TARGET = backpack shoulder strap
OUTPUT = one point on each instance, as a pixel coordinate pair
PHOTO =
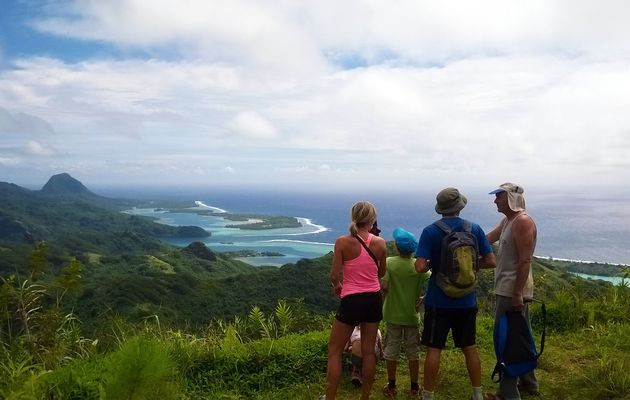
(467, 226)
(444, 227)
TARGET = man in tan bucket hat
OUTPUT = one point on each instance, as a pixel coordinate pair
(513, 280)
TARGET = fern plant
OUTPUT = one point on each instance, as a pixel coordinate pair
(285, 316)
(259, 322)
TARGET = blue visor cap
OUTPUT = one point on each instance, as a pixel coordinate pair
(405, 240)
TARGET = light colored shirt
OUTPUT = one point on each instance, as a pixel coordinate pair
(507, 265)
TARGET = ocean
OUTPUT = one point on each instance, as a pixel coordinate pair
(585, 226)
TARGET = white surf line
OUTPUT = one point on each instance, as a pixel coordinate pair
(309, 222)
(295, 241)
(214, 209)
(551, 258)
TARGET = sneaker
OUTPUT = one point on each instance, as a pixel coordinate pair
(414, 393)
(322, 397)
(389, 391)
(356, 378)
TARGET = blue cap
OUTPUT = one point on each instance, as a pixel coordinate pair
(406, 241)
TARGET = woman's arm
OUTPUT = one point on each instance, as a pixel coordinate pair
(337, 265)
(381, 255)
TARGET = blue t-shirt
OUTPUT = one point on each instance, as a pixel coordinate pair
(429, 247)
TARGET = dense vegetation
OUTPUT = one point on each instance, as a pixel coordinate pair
(102, 309)
(279, 354)
(128, 271)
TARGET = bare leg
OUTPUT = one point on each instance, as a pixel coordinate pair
(339, 336)
(473, 364)
(391, 369)
(431, 368)
(368, 341)
(414, 366)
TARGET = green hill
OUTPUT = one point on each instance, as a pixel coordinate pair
(63, 185)
(129, 271)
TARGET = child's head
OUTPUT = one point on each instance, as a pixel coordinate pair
(406, 242)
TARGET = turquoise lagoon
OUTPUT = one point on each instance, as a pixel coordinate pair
(293, 243)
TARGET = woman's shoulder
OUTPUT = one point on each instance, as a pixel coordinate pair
(378, 239)
(344, 239)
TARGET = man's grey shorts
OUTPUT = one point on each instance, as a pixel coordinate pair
(394, 338)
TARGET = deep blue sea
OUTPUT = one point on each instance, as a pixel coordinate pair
(578, 225)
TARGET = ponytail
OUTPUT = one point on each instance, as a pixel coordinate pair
(353, 228)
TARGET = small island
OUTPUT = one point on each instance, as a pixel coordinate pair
(191, 232)
(249, 221)
(260, 222)
(252, 253)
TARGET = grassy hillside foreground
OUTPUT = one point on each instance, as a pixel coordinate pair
(282, 355)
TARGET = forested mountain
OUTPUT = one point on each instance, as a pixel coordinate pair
(65, 209)
(128, 270)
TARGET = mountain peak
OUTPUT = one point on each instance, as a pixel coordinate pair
(64, 184)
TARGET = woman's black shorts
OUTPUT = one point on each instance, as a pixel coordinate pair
(360, 307)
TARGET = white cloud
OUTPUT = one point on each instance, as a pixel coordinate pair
(37, 149)
(20, 124)
(434, 90)
(252, 125)
(293, 35)
(236, 32)
(10, 161)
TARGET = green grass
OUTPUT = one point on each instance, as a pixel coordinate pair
(271, 352)
(582, 364)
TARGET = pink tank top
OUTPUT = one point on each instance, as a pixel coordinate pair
(360, 275)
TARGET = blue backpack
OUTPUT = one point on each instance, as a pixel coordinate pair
(514, 345)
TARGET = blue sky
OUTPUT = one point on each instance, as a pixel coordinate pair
(322, 94)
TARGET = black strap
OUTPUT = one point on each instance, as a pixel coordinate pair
(365, 246)
(544, 332)
(498, 372)
(444, 227)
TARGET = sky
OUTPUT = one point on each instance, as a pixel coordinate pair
(317, 93)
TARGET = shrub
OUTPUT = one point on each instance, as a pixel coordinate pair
(262, 365)
(141, 369)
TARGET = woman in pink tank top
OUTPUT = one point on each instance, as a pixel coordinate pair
(361, 302)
